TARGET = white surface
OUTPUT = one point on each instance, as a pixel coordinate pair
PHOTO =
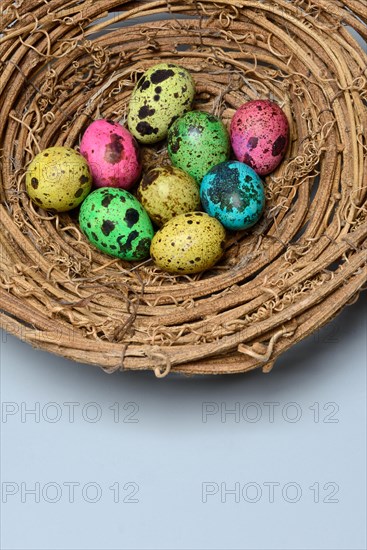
(170, 454)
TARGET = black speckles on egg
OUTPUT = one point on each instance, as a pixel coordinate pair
(114, 151)
(143, 247)
(147, 180)
(79, 192)
(160, 75)
(224, 186)
(145, 129)
(131, 217)
(107, 199)
(252, 142)
(247, 159)
(107, 227)
(94, 235)
(145, 111)
(174, 144)
(143, 83)
(84, 179)
(125, 243)
(278, 146)
(34, 183)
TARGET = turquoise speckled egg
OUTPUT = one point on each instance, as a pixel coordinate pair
(197, 142)
(116, 223)
(233, 193)
(164, 93)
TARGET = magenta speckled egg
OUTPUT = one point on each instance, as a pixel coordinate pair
(259, 135)
(112, 154)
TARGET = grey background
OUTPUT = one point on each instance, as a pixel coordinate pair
(171, 451)
(165, 453)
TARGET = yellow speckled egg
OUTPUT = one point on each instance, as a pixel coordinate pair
(58, 179)
(164, 93)
(166, 192)
(188, 243)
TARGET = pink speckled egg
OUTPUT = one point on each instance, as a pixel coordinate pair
(259, 135)
(112, 154)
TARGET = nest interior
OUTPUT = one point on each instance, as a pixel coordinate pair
(65, 63)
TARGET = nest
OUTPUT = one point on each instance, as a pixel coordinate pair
(65, 63)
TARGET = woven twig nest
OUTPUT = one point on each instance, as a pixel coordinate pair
(65, 63)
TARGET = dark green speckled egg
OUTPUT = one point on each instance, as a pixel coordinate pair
(116, 223)
(196, 142)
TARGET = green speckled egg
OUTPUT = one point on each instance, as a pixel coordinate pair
(116, 223)
(164, 93)
(188, 243)
(167, 192)
(196, 142)
(58, 179)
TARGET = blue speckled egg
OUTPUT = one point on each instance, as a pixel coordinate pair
(233, 193)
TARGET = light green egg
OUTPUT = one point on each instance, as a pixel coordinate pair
(188, 243)
(164, 93)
